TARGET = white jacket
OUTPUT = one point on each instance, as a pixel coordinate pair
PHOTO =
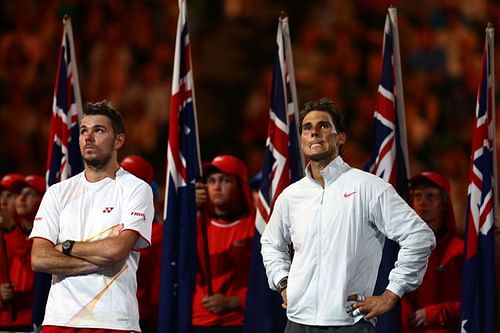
(338, 236)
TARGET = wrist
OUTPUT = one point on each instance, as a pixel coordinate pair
(282, 284)
(67, 247)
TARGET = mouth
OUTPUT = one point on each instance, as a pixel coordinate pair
(314, 145)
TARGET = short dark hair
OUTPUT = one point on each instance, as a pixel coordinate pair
(104, 108)
(327, 106)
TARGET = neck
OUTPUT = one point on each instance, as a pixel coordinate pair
(227, 214)
(94, 174)
(26, 224)
(317, 166)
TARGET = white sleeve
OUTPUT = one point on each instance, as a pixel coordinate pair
(399, 222)
(138, 214)
(46, 223)
(275, 241)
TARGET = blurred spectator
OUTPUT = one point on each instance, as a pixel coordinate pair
(16, 294)
(435, 305)
(148, 273)
(227, 205)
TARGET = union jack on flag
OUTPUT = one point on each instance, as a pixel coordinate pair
(389, 159)
(478, 284)
(63, 158)
(179, 263)
(283, 165)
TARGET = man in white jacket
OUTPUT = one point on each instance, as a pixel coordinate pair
(337, 217)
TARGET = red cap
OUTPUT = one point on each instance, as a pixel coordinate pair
(433, 177)
(226, 164)
(35, 181)
(10, 181)
(139, 167)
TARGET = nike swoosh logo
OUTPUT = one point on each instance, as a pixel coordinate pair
(347, 195)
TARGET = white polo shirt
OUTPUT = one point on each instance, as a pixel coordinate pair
(79, 210)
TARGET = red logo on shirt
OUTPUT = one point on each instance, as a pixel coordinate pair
(138, 214)
(107, 209)
(347, 195)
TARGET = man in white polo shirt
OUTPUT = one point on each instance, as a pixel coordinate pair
(88, 231)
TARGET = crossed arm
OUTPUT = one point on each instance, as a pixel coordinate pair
(86, 257)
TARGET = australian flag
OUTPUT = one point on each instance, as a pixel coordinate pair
(478, 282)
(389, 158)
(179, 263)
(63, 159)
(283, 165)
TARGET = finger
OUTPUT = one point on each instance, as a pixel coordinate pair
(356, 312)
(360, 298)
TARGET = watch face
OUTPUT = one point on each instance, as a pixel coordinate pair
(65, 245)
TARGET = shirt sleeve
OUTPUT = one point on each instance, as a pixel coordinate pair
(275, 243)
(46, 223)
(399, 222)
(139, 213)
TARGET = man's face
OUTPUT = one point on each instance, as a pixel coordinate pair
(27, 202)
(8, 202)
(320, 140)
(224, 192)
(429, 205)
(98, 141)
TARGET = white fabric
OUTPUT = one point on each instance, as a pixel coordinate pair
(79, 210)
(338, 236)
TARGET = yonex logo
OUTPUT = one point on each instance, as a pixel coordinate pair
(107, 209)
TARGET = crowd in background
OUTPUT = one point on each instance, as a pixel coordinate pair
(125, 51)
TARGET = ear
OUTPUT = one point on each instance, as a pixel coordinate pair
(119, 141)
(341, 138)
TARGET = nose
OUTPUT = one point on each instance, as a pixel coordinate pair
(315, 130)
(88, 136)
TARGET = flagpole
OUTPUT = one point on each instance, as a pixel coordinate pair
(6, 275)
(291, 73)
(490, 38)
(74, 67)
(398, 76)
(206, 253)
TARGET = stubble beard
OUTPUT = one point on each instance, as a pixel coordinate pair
(96, 163)
(326, 156)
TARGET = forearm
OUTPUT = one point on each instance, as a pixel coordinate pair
(49, 260)
(105, 252)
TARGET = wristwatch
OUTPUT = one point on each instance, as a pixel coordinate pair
(67, 246)
(282, 284)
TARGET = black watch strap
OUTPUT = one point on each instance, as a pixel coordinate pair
(67, 246)
(282, 284)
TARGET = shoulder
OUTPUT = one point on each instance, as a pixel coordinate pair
(66, 183)
(127, 179)
(132, 184)
(362, 178)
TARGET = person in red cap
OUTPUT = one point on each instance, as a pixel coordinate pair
(148, 273)
(16, 287)
(31, 190)
(228, 215)
(435, 305)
